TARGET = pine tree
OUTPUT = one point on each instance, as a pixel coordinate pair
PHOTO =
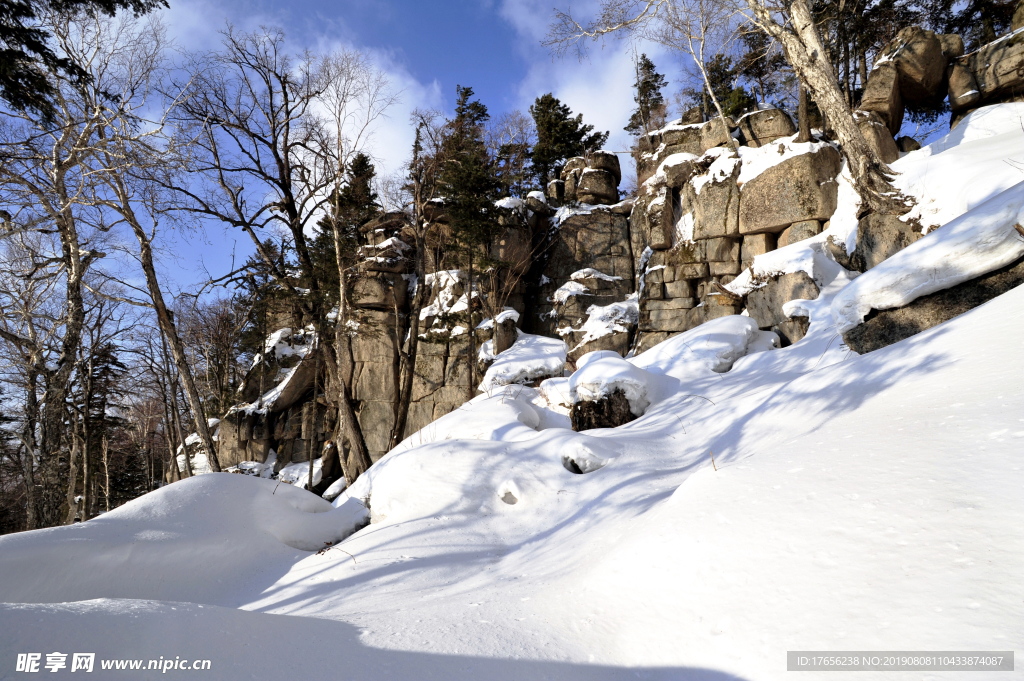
(560, 136)
(722, 76)
(650, 102)
(470, 187)
(760, 63)
(355, 205)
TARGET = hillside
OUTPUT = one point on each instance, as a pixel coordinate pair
(854, 502)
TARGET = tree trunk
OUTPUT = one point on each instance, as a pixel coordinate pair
(803, 116)
(471, 388)
(28, 441)
(347, 429)
(409, 361)
(809, 59)
(106, 473)
(170, 334)
(72, 480)
(52, 460)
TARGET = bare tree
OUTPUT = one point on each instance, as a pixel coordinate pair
(792, 24)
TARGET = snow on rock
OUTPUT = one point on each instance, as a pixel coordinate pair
(809, 255)
(660, 176)
(978, 242)
(711, 347)
(756, 160)
(567, 290)
(597, 378)
(722, 167)
(591, 273)
(505, 314)
(604, 320)
(297, 473)
(529, 358)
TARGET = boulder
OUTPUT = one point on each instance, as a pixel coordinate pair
(714, 134)
(609, 412)
(716, 207)
(877, 135)
(597, 187)
(919, 58)
(755, 245)
(880, 236)
(538, 206)
(800, 188)
(684, 138)
(998, 68)
(882, 95)
(885, 327)
(378, 291)
(723, 249)
(765, 304)
(963, 88)
(1017, 22)
(766, 126)
(952, 45)
(659, 220)
(618, 342)
(574, 163)
(571, 180)
(678, 174)
(907, 144)
(605, 160)
(556, 190)
(799, 231)
(692, 115)
(682, 288)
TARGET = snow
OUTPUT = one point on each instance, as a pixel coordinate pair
(506, 314)
(567, 290)
(538, 195)
(591, 273)
(604, 320)
(297, 473)
(766, 500)
(757, 160)
(859, 502)
(597, 378)
(529, 358)
(980, 158)
(721, 168)
(976, 243)
(660, 176)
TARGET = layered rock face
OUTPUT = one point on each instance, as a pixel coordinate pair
(700, 220)
(605, 274)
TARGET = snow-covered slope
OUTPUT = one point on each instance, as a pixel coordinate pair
(765, 500)
(858, 503)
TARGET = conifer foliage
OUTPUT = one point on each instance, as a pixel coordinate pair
(560, 136)
(650, 102)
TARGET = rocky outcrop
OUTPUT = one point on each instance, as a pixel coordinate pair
(765, 126)
(807, 183)
(765, 305)
(880, 236)
(885, 327)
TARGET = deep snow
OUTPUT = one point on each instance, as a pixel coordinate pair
(766, 500)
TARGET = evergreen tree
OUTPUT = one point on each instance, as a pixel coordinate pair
(650, 102)
(761, 64)
(355, 205)
(980, 21)
(722, 77)
(470, 187)
(560, 136)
